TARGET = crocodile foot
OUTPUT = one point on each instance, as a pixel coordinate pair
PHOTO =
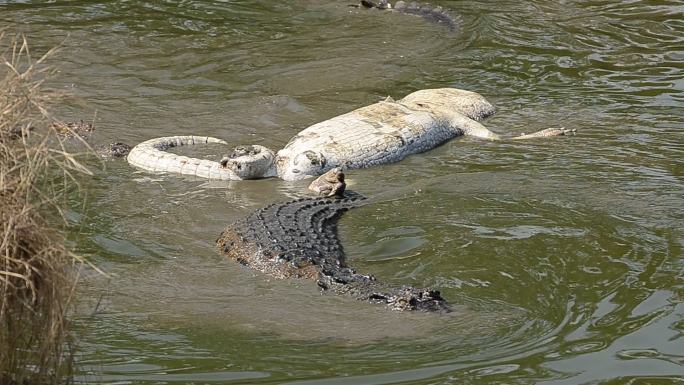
(553, 131)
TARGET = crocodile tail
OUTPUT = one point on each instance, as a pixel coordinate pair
(434, 14)
(151, 155)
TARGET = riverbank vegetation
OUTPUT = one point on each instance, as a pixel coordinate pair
(38, 273)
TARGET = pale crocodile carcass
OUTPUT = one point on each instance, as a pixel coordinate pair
(380, 133)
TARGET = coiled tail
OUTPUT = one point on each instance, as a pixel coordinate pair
(152, 155)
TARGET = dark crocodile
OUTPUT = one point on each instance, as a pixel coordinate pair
(83, 130)
(71, 129)
(298, 239)
(426, 11)
(113, 150)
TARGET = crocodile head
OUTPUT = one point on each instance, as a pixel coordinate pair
(409, 298)
(293, 165)
(329, 184)
(113, 150)
(250, 162)
(384, 4)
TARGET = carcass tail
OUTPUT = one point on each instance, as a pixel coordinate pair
(151, 155)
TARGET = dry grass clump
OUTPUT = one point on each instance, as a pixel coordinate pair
(37, 272)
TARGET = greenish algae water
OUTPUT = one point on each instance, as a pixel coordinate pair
(563, 257)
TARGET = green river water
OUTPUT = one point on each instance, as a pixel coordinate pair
(562, 256)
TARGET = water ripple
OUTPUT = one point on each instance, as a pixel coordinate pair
(561, 257)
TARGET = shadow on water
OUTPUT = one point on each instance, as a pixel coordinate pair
(562, 257)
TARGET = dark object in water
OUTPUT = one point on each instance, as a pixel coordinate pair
(114, 150)
(73, 128)
(426, 11)
(298, 239)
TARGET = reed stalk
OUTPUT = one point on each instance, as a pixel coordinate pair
(38, 272)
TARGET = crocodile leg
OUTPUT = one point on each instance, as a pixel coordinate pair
(553, 131)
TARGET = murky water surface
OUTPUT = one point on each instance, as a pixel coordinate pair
(563, 257)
